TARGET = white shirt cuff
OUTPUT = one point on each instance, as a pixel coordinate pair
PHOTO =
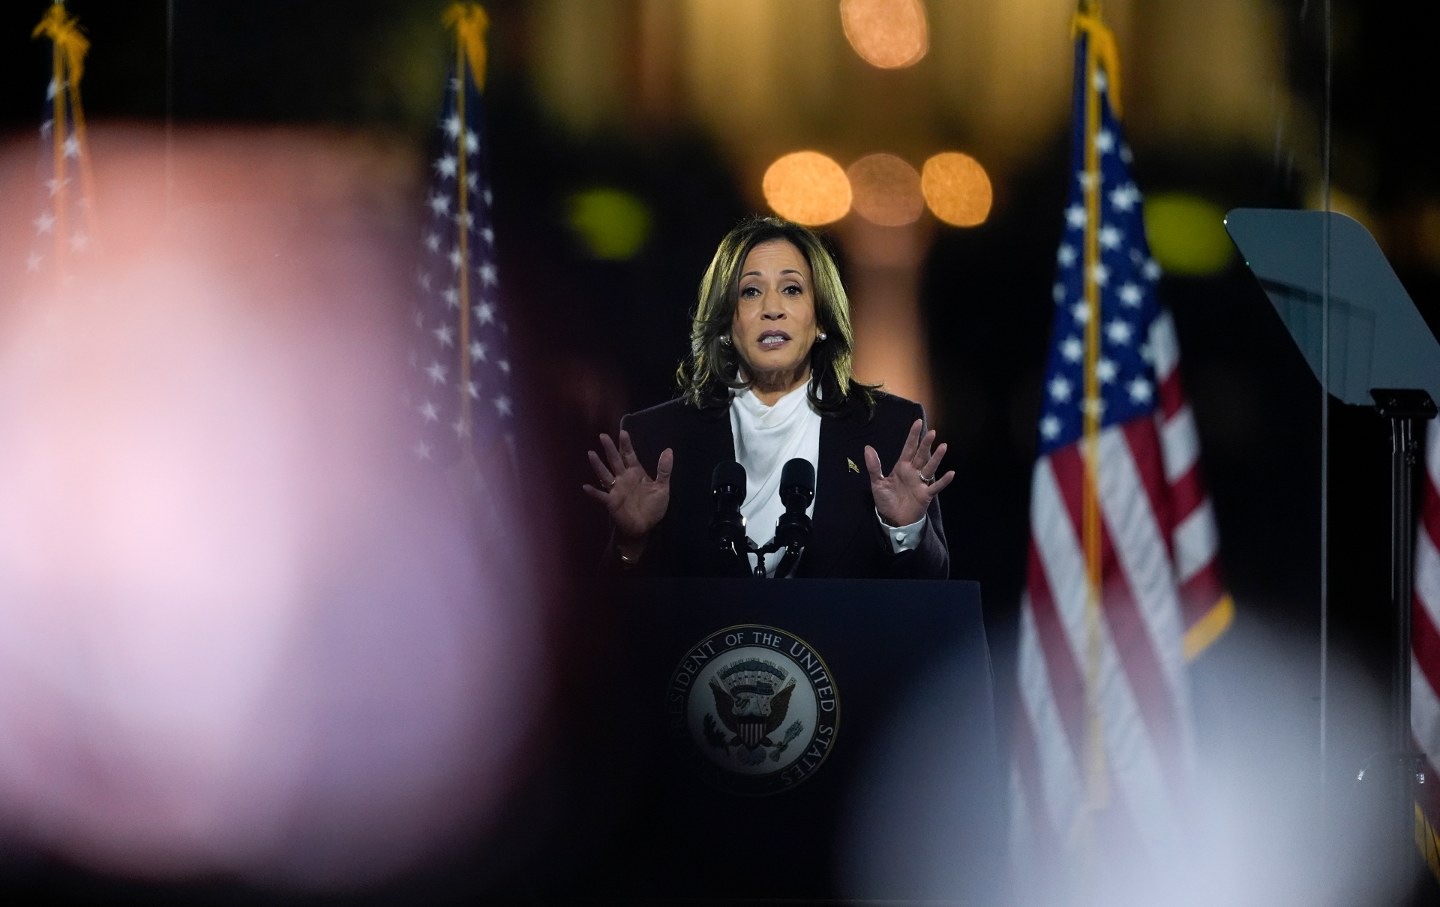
(903, 538)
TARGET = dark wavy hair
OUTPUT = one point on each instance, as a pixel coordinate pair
(712, 369)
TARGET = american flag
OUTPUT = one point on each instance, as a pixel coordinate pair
(1123, 586)
(1425, 654)
(463, 403)
(64, 231)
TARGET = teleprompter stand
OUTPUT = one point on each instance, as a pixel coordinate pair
(1368, 345)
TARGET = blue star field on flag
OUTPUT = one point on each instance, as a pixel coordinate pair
(1126, 277)
(463, 402)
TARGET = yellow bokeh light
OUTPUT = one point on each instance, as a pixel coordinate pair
(807, 187)
(1187, 234)
(611, 223)
(957, 189)
(890, 34)
(887, 190)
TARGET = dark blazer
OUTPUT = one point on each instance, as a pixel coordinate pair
(847, 540)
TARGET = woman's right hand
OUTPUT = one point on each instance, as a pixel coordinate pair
(635, 501)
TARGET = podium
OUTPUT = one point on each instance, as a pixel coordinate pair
(1367, 345)
(804, 741)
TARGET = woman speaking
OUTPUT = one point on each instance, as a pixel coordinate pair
(768, 384)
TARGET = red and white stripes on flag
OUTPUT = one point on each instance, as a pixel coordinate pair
(1425, 653)
(1123, 584)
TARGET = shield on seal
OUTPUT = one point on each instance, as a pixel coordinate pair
(752, 698)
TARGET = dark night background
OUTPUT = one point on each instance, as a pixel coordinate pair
(585, 323)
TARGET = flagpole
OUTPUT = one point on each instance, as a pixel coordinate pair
(67, 59)
(469, 21)
(463, 192)
(57, 136)
(1097, 792)
(77, 116)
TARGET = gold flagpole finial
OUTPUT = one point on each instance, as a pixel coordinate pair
(1102, 46)
(470, 21)
(64, 30)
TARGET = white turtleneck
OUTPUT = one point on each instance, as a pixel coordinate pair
(768, 437)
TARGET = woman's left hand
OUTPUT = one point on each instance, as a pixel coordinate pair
(903, 496)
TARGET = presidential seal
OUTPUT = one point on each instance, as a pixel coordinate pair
(753, 708)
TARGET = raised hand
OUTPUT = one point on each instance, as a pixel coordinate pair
(635, 501)
(903, 496)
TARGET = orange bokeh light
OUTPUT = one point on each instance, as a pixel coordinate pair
(890, 34)
(807, 187)
(887, 190)
(957, 189)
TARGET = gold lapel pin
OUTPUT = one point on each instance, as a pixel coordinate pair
(851, 463)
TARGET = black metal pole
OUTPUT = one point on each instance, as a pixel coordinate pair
(1405, 409)
(1402, 573)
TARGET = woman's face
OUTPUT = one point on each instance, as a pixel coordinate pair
(774, 324)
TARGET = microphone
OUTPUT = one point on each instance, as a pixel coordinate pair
(797, 490)
(727, 526)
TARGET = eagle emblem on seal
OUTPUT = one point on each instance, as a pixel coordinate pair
(751, 697)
